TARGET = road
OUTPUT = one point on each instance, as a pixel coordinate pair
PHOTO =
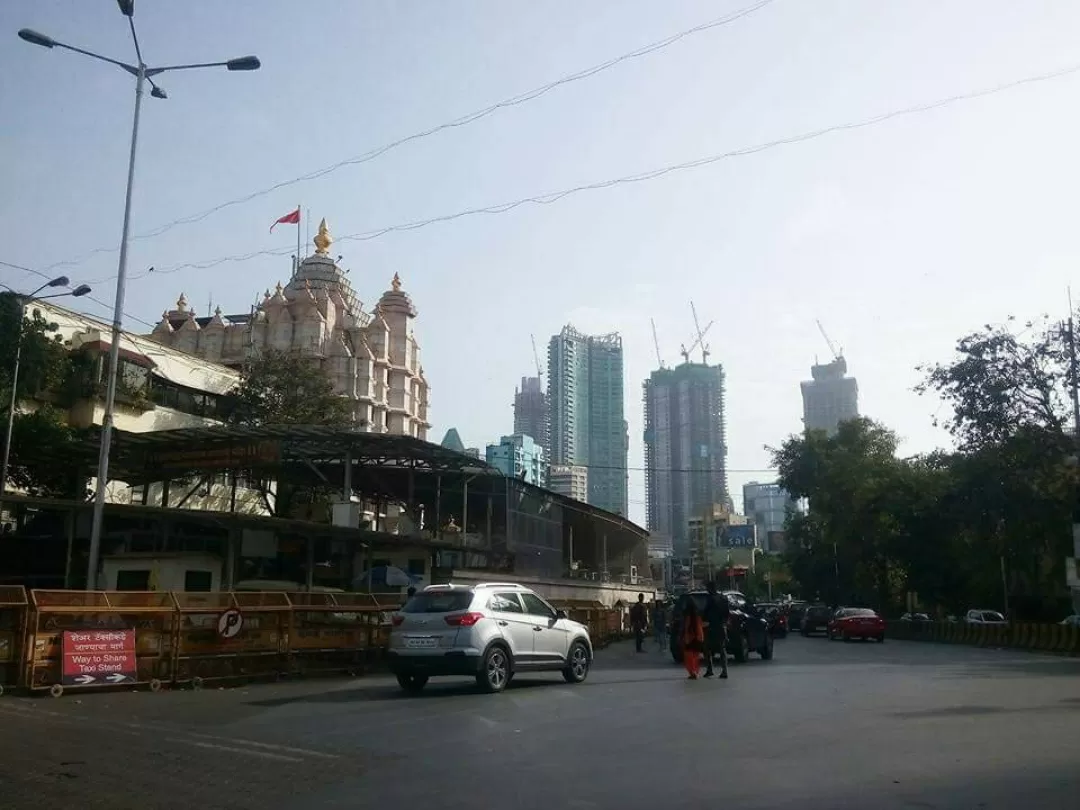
(824, 725)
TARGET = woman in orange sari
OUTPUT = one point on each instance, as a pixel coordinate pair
(693, 639)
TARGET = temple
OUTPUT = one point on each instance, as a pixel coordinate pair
(372, 358)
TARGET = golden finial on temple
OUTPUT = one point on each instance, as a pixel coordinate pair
(395, 284)
(323, 239)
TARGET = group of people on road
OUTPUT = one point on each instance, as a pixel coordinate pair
(702, 633)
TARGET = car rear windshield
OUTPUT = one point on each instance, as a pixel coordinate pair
(820, 610)
(864, 612)
(438, 602)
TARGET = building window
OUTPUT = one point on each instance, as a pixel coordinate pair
(198, 581)
(133, 580)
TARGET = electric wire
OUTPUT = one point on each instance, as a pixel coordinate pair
(464, 120)
(549, 198)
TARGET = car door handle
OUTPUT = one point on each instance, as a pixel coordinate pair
(502, 623)
(538, 629)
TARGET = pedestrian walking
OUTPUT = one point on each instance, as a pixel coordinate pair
(659, 620)
(639, 622)
(693, 639)
(715, 616)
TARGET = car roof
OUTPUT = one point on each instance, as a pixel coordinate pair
(508, 586)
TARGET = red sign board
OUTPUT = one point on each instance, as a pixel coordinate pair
(99, 657)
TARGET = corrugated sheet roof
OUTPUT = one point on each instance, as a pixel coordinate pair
(175, 366)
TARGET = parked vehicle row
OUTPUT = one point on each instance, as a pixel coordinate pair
(844, 623)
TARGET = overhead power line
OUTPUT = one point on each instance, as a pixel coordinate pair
(464, 120)
(652, 174)
(88, 296)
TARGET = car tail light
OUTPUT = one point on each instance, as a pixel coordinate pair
(396, 620)
(463, 619)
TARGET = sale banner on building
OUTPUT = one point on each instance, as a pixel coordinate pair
(99, 657)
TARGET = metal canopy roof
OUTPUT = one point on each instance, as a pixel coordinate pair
(152, 456)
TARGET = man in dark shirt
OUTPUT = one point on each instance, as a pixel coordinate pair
(639, 621)
(715, 618)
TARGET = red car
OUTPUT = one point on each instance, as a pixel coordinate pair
(851, 623)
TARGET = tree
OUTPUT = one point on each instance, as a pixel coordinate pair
(43, 363)
(41, 439)
(286, 388)
(40, 452)
(1001, 382)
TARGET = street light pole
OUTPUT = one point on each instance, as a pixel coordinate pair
(142, 74)
(114, 350)
(60, 281)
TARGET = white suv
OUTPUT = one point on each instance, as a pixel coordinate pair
(489, 631)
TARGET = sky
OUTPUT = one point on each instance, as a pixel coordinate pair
(899, 237)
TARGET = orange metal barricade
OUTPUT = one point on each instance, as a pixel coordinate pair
(258, 649)
(13, 610)
(332, 632)
(149, 614)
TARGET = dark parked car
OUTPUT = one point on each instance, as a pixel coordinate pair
(776, 615)
(747, 631)
(796, 611)
(816, 619)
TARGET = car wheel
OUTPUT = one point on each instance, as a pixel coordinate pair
(766, 652)
(577, 663)
(412, 683)
(742, 649)
(494, 675)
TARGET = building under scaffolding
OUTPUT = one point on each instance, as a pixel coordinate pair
(338, 506)
(685, 448)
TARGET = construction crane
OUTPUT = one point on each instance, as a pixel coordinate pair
(656, 343)
(700, 336)
(838, 354)
(536, 358)
(685, 352)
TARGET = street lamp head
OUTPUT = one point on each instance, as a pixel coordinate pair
(80, 291)
(127, 7)
(244, 63)
(59, 281)
(34, 38)
(157, 92)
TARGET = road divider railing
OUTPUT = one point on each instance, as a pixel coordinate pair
(95, 638)
(335, 632)
(54, 641)
(224, 636)
(1017, 635)
(14, 605)
(605, 624)
(57, 640)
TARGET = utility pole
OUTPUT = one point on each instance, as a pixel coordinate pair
(1073, 367)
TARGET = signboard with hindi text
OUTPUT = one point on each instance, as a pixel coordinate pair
(99, 657)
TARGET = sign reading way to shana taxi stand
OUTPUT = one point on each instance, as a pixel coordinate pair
(99, 657)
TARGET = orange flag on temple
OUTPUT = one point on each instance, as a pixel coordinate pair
(292, 218)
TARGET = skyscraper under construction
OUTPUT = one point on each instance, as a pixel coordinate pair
(685, 448)
(588, 426)
(531, 413)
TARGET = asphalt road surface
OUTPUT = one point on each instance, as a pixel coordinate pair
(824, 725)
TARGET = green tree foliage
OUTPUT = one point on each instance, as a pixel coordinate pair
(40, 439)
(286, 388)
(985, 526)
(1002, 381)
(43, 363)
